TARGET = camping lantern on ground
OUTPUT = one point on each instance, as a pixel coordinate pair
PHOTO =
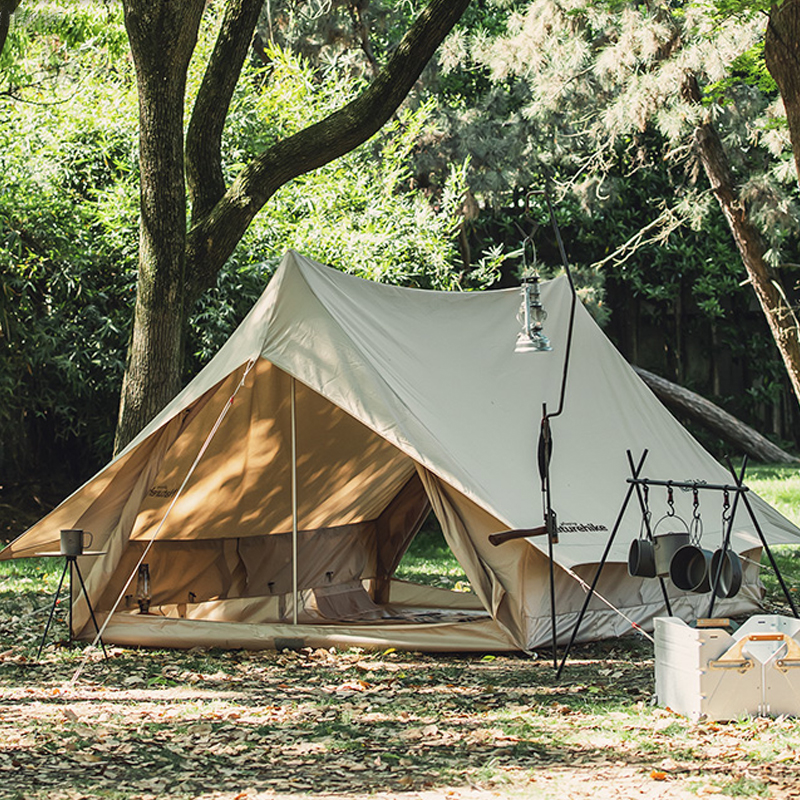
(143, 588)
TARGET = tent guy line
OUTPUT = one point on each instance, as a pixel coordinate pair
(587, 588)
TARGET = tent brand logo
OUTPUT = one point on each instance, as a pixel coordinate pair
(162, 491)
(580, 527)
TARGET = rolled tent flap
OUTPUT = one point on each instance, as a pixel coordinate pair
(497, 578)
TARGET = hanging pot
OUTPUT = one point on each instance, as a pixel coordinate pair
(665, 546)
(730, 572)
(641, 559)
(690, 569)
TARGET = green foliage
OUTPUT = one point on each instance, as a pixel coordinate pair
(49, 39)
(429, 560)
(739, 9)
(68, 215)
(748, 69)
(364, 212)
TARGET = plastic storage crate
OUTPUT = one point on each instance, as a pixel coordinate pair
(706, 672)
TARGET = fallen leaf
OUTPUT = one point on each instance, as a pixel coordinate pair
(200, 728)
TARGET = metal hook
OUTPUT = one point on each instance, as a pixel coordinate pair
(695, 502)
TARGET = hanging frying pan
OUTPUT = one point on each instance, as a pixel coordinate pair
(728, 565)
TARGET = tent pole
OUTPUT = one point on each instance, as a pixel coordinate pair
(294, 502)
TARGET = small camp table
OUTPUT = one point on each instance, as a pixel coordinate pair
(71, 564)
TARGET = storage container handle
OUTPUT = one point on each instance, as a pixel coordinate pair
(735, 658)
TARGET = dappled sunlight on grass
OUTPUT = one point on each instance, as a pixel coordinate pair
(430, 561)
(779, 485)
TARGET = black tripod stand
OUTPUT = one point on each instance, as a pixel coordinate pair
(70, 564)
(635, 483)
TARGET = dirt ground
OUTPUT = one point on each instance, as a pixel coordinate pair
(347, 725)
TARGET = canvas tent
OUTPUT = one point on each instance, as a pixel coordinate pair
(274, 497)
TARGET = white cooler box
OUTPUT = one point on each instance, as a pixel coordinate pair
(707, 672)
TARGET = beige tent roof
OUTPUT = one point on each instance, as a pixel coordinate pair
(392, 383)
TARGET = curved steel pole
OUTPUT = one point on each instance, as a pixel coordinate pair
(546, 438)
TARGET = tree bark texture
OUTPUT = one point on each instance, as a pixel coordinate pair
(689, 404)
(765, 282)
(204, 135)
(162, 34)
(7, 8)
(782, 55)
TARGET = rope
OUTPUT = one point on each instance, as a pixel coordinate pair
(585, 586)
(223, 413)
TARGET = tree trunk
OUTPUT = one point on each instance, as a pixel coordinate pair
(175, 269)
(782, 55)
(765, 282)
(7, 8)
(688, 404)
(162, 35)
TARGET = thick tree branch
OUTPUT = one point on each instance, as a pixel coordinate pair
(212, 239)
(204, 136)
(765, 282)
(689, 404)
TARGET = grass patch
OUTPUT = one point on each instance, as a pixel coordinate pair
(746, 787)
(430, 561)
(779, 485)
